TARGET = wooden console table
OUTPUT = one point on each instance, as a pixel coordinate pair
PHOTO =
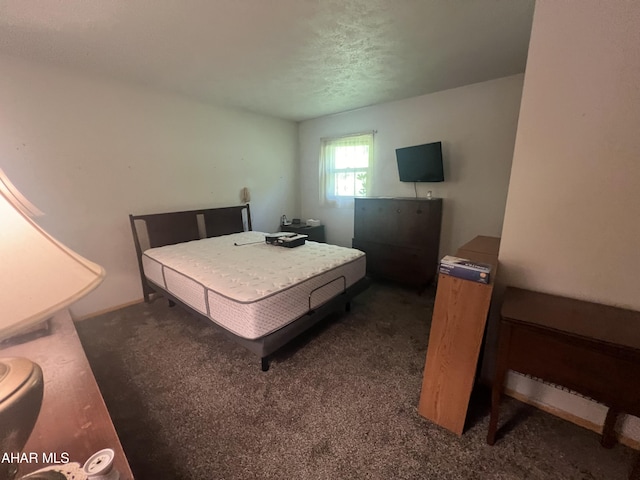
(73, 417)
(590, 348)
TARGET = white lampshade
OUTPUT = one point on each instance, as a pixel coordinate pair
(38, 275)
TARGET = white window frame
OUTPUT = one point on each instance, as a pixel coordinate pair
(329, 196)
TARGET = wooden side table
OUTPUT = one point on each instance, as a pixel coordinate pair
(73, 418)
(589, 348)
(315, 234)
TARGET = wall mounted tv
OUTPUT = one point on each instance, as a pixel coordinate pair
(421, 163)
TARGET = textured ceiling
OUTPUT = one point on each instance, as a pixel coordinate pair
(294, 59)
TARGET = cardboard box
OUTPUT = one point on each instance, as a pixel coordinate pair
(465, 269)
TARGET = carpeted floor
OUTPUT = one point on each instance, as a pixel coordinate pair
(339, 403)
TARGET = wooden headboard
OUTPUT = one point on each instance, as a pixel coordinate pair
(159, 229)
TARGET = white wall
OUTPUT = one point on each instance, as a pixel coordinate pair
(89, 151)
(477, 127)
(572, 222)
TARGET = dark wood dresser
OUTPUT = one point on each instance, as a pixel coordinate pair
(401, 237)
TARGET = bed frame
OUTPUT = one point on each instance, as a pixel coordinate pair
(159, 229)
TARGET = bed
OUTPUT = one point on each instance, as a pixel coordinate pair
(214, 265)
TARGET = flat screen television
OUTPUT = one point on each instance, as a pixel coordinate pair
(421, 163)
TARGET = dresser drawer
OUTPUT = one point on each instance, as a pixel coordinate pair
(405, 222)
(407, 265)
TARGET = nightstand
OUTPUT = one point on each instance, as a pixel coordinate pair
(315, 234)
(73, 418)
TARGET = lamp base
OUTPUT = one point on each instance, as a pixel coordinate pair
(21, 388)
(31, 333)
(50, 475)
(73, 471)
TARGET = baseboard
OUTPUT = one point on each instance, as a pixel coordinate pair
(107, 310)
(594, 427)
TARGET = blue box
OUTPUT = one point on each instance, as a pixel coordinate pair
(465, 269)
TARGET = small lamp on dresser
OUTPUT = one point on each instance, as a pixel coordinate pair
(38, 277)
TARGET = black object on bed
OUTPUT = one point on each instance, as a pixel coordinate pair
(177, 227)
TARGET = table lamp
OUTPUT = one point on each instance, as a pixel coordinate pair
(38, 277)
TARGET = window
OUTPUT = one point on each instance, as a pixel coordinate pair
(345, 169)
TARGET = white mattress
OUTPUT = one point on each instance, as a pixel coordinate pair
(249, 287)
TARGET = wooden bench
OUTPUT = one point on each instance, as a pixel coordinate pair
(589, 348)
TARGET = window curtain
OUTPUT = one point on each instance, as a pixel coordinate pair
(328, 187)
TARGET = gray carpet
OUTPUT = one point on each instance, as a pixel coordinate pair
(338, 403)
